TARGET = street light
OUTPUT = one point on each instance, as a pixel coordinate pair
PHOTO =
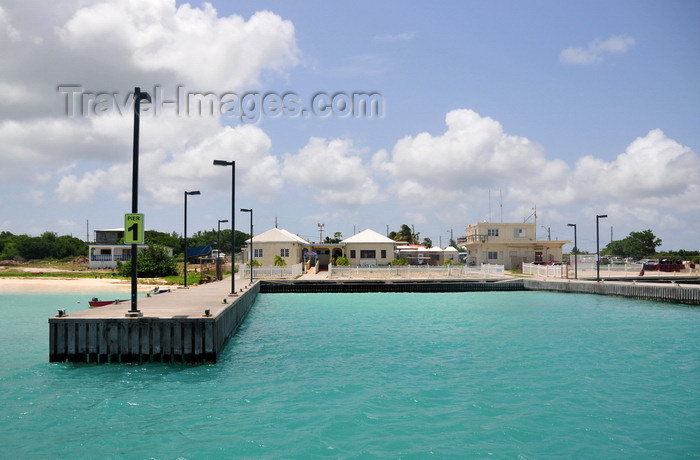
(194, 192)
(549, 232)
(575, 255)
(138, 97)
(597, 243)
(233, 218)
(251, 242)
(218, 248)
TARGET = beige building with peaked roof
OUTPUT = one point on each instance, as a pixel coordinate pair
(275, 242)
(509, 244)
(369, 248)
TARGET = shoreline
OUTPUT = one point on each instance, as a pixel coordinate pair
(20, 285)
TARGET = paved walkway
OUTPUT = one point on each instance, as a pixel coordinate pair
(315, 276)
(179, 302)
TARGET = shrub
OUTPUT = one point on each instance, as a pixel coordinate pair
(153, 262)
(401, 261)
(342, 261)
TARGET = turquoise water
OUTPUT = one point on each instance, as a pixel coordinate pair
(464, 375)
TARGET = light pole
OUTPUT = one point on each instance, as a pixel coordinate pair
(251, 242)
(597, 243)
(138, 97)
(233, 219)
(575, 255)
(194, 192)
(549, 232)
(218, 247)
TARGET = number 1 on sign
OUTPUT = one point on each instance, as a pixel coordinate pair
(133, 225)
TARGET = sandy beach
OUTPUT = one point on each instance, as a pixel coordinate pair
(52, 285)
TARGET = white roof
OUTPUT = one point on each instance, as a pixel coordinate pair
(277, 235)
(451, 249)
(368, 236)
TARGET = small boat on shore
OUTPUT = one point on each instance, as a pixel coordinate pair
(95, 302)
(156, 290)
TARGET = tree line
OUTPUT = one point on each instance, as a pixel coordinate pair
(49, 245)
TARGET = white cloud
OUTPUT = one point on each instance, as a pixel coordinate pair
(597, 50)
(334, 167)
(403, 36)
(201, 48)
(473, 152)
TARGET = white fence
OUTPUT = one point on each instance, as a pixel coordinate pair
(271, 272)
(588, 270)
(415, 271)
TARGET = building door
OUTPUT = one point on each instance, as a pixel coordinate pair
(538, 256)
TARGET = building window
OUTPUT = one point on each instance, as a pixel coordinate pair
(493, 255)
(257, 253)
(518, 233)
(368, 254)
(383, 253)
(492, 232)
(352, 253)
(284, 252)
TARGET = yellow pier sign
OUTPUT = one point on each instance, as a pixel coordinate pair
(133, 229)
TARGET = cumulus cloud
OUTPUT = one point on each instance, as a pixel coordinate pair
(473, 152)
(597, 50)
(655, 180)
(653, 169)
(103, 47)
(336, 169)
(158, 36)
(165, 175)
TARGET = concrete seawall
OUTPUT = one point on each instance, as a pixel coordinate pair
(648, 291)
(397, 285)
(102, 337)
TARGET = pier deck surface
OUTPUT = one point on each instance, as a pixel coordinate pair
(178, 303)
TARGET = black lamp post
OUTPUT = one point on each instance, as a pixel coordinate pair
(597, 243)
(251, 242)
(218, 244)
(233, 218)
(575, 255)
(138, 97)
(194, 192)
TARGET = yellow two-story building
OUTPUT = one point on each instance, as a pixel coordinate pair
(508, 244)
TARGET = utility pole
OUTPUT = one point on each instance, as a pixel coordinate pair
(320, 229)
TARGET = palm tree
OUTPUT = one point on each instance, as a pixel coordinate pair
(279, 262)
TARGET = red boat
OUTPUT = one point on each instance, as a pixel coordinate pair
(101, 303)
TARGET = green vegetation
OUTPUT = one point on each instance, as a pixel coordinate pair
(152, 262)
(637, 245)
(279, 262)
(342, 261)
(405, 234)
(337, 238)
(47, 246)
(397, 262)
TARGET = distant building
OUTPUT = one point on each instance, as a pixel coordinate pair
(369, 248)
(275, 242)
(366, 248)
(106, 251)
(509, 244)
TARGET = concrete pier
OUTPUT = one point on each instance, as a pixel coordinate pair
(174, 327)
(674, 291)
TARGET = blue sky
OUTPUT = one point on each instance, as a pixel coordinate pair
(576, 108)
